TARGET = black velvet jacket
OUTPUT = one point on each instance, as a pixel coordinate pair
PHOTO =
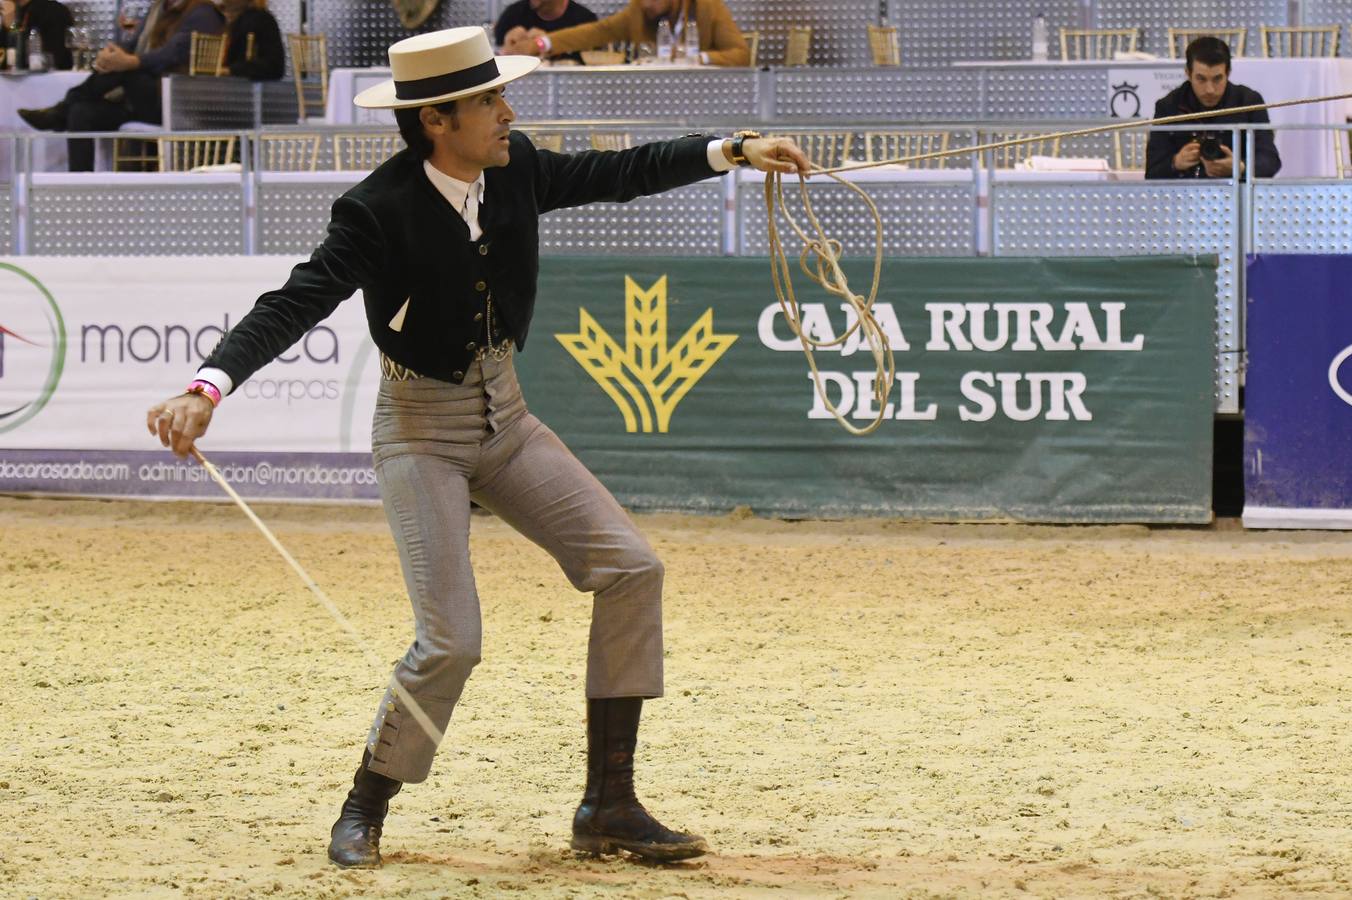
(1163, 146)
(396, 238)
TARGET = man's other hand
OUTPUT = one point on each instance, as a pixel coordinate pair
(1188, 157)
(180, 420)
(1220, 168)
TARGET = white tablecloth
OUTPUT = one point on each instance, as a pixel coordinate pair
(33, 92)
(344, 84)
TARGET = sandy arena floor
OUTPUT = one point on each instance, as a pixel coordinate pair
(854, 709)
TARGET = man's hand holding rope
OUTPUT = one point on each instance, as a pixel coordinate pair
(772, 154)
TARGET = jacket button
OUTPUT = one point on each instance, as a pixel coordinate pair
(481, 286)
(457, 375)
(471, 345)
(483, 249)
(478, 317)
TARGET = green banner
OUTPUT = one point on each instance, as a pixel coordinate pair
(1045, 390)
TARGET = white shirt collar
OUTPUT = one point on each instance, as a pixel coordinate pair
(457, 194)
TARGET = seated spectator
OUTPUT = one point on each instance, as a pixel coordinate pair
(48, 18)
(720, 41)
(1206, 152)
(125, 85)
(524, 16)
(246, 17)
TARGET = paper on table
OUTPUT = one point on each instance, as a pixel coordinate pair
(1065, 164)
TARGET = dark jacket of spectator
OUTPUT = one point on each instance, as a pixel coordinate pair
(520, 14)
(168, 44)
(269, 55)
(50, 20)
(1163, 146)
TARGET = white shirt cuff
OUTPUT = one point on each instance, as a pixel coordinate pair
(717, 160)
(223, 382)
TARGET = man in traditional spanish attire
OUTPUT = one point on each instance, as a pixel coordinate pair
(443, 242)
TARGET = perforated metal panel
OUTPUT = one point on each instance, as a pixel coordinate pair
(1155, 18)
(204, 103)
(938, 32)
(918, 219)
(293, 218)
(360, 31)
(896, 95)
(645, 94)
(1302, 218)
(6, 219)
(1327, 12)
(684, 222)
(1130, 219)
(839, 35)
(135, 220)
(1046, 93)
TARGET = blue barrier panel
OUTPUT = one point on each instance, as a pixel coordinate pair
(1298, 408)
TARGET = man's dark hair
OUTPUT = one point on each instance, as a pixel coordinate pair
(1209, 51)
(411, 126)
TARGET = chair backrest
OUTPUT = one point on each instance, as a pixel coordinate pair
(310, 69)
(1009, 157)
(1180, 38)
(752, 46)
(797, 46)
(1308, 40)
(823, 148)
(288, 152)
(611, 140)
(1129, 150)
(135, 155)
(884, 43)
(182, 154)
(363, 151)
(1097, 43)
(880, 145)
(206, 54)
(550, 140)
(1342, 153)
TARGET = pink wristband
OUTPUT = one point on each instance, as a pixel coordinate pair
(206, 389)
(542, 45)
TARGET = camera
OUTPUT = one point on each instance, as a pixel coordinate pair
(1209, 145)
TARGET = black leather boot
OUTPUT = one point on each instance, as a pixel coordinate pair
(355, 838)
(50, 118)
(610, 818)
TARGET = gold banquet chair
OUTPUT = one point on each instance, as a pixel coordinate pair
(1009, 157)
(206, 54)
(1129, 150)
(363, 151)
(823, 148)
(183, 154)
(880, 145)
(752, 46)
(1342, 153)
(884, 45)
(310, 69)
(1097, 43)
(1180, 38)
(1309, 40)
(611, 140)
(288, 152)
(797, 47)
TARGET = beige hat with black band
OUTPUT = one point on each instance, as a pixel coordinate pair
(440, 66)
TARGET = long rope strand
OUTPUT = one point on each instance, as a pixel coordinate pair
(419, 715)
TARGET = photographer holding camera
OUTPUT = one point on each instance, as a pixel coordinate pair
(1206, 153)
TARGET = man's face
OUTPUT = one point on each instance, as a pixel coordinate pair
(1208, 82)
(548, 8)
(480, 141)
(655, 9)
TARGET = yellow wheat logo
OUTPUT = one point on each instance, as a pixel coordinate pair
(647, 375)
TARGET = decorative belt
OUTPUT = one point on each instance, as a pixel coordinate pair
(393, 371)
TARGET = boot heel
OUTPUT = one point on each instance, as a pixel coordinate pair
(593, 844)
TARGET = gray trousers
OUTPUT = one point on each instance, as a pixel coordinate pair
(439, 445)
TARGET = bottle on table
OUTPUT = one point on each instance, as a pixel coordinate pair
(691, 38)
(37, 60)
(16, 49)
(666, 44)
(1040, 37)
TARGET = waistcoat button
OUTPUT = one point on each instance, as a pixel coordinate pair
(457, 375)
(481, 286)
(471, 346)
(483, 249)
(478, 317)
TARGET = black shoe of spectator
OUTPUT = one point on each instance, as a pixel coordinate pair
(52, 118)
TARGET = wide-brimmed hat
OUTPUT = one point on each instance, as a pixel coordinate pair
(440, 66)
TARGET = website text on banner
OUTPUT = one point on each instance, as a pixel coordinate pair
(1298, 403)
(1042, 390)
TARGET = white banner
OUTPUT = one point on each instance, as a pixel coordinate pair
(87, 345)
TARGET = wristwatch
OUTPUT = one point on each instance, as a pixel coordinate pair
(738, 157)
